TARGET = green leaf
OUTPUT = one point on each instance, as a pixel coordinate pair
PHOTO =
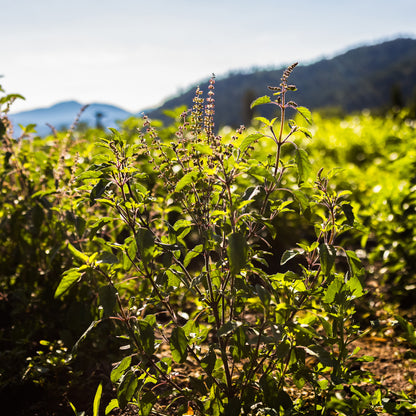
(208, 362)
(355, 286)
(107, 257)
(111, 406)
(263, 294)
(10, 97)
(80, 225)
(288, 255)
(178, 344)
(147, 336)
(303, 164)
(305, 131)
(410, 330)
(305, 113)
(127, 389)
(349, 214)
(68, 280)
(120, 369)
(327, 254)
(145, 241)
(285, 401)
(237, 252)
(260, 172)
(248, 140)
(321, 353)
(263, 120)
(181, 224)
(204, 149)
(196, 251)
(77, 254)
(327, 327)
(30, 128)
(242, 348)
(187, 179)
(97, 399)
(354, 263)
(333, 289)
(89, 174)
(146, 403)
(282, 349)
(84, 335)
(108, 299)
(98, 190)
(233, 407)
(98, 225)
(303, 201)
(261, 100)
(228, 328)
(273, 396)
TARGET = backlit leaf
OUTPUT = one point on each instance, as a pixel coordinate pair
(247, 141)
(111, 406)
(355, 286)
(187, 179)
(303, 201)
(305, 113)
(354, 263)
(196, 251)
(264, 120)
(97, 399)
(303, 164)
(68, 280)
(120, 369)
(261, 100)
(77, 254)
(334, 288)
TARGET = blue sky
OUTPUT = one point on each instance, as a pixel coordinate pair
(135, 54)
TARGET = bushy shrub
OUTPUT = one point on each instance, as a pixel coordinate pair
(184, 256)
(217, 271)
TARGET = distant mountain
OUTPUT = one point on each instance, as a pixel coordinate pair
(368, 77)
(373, 77)
(62, 115)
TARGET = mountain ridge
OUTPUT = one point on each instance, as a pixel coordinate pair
(358, 79)
(365, 77)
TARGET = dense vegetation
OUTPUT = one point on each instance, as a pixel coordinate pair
(187, 272)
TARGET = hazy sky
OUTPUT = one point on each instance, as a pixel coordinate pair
(135, 54)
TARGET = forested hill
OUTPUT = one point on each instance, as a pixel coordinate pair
(373, 77)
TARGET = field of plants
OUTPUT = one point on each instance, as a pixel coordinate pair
(180, 270)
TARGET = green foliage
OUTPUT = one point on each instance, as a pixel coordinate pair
(39, 215)
(219, 273)
(378, 160)
(194, 237)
